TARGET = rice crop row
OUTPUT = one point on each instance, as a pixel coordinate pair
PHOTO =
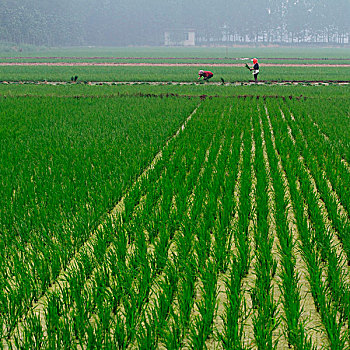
(326, 273)
(234, 239)
(67, 163)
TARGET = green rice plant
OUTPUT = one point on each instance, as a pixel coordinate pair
(173, 338)
(290, 289)
(265, 321)
(162, 308)
(119, 334)
(33, 337)
(322, 296)
(147, 335)
(186, 295)
(202, 327)
(234, 317)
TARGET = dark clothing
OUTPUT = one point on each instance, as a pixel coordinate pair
(256, 71)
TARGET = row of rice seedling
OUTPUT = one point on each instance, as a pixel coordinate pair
(293, 323)
(320, 255)
(332, 119)
(331, 176)
(338, 278)
(136, 258)
(183, 245)
(64, 169)
(265, 319)
(230, 316)
(149, 276)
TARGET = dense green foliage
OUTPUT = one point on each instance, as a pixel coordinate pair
(65, 162)
(212, 213)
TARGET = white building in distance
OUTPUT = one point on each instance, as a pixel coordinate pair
(180, 37)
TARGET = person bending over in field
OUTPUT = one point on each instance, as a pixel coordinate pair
(205, 74)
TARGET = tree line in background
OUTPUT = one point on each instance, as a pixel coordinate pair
(143, 22)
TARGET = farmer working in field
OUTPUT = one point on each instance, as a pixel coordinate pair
(255, 69)
(205, 74)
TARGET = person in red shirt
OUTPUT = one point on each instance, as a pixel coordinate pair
(205, 74)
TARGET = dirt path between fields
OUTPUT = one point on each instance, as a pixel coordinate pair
(300, 59)
(178, 83)
(147, 64)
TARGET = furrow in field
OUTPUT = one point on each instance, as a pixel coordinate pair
(309, 318)
(249, 280)
(39, 308)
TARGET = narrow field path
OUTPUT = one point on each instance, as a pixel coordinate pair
(174, 58)
(124, 64)
(195, 82)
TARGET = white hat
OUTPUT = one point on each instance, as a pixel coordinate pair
(201, 71)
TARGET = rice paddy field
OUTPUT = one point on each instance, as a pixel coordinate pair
(149, 211)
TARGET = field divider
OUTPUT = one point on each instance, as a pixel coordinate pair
(39, 307)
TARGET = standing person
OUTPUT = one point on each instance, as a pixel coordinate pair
(205, 74)
(255, 69)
